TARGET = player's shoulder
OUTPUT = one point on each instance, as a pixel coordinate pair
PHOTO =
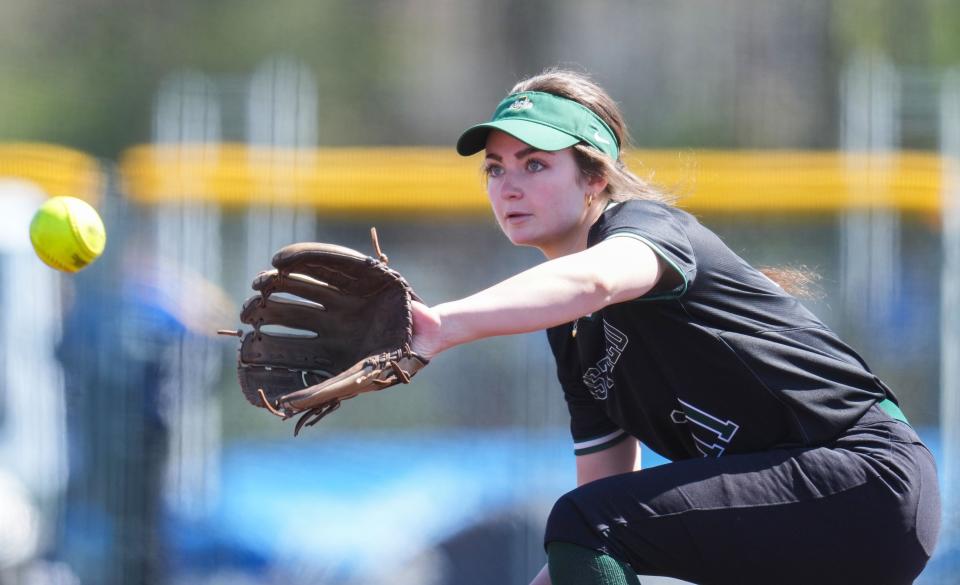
(644, 211)
(616, 208)
(646, 218)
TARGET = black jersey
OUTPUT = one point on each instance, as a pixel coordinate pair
(724, 362)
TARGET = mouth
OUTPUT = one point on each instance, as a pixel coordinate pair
(516, 217)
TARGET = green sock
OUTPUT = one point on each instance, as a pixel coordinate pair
(571, 564)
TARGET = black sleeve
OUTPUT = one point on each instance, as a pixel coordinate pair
(661, 228)
(591, 428)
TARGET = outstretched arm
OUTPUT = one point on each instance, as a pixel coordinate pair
(549, 294)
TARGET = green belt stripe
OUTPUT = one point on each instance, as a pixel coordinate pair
(893, 410)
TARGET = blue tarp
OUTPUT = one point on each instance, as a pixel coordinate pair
(341, 503)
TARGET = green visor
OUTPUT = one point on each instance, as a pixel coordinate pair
(543, 121)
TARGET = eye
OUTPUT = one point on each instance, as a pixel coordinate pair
(535, 165)
(493, 170)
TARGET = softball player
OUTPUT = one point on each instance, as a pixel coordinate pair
(792, 462)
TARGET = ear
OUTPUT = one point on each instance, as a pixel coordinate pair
(597, 184)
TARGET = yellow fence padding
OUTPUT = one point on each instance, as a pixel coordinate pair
(57, 170)
(422, 180)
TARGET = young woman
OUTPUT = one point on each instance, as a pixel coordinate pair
(792, 462)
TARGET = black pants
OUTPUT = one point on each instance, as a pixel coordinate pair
(865, 509)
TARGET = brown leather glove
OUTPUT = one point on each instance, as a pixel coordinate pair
(329, 323)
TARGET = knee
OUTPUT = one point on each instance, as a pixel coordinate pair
(568, 522)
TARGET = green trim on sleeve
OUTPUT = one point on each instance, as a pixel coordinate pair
(679, 290)
(594, 447)
(891, 408)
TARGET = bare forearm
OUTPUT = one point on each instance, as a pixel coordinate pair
(549, 294)
(546, 295)
(552, 293)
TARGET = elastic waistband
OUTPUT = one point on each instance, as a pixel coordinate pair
(891, 408)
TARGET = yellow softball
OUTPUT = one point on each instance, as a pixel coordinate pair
(67, 233)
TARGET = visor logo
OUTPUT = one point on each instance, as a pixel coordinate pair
(523, 103)
(598, 138)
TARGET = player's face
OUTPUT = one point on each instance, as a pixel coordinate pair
(537, 196)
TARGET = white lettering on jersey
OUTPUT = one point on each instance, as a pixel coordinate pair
(718, 429)
(599, 378)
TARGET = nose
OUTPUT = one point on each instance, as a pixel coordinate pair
(510, 190)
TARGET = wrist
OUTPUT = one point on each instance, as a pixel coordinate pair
(450, 334)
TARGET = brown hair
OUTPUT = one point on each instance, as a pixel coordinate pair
(622, 183)
(798, 281)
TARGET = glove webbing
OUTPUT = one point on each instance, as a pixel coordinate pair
(377, 364)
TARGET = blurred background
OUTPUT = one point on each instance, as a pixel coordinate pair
(823, 133)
